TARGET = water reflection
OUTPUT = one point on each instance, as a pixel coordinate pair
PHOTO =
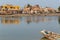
(37, 19)
(28, 28)
(59, 19)
(28, 20)
(9, 20)
(43, 38)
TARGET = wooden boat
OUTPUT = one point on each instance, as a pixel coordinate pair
(50, 35)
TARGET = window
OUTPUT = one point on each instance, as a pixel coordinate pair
(14, 7)
(11, 7)
(5, 7)
(3, 10)
(17, 7)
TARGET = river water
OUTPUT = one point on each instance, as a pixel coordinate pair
(27, 28)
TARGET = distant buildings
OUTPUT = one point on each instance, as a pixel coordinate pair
(9, 7)
(29, 9)
(37, 9)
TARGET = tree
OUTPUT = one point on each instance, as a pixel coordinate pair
(59, 8)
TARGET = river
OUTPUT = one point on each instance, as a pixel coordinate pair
(27, 28)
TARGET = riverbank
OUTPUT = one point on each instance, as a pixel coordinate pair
(46, 14)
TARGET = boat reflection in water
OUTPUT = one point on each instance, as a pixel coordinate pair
(10, 21)
(43, 38)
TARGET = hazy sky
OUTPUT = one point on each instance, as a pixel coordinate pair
(43, 3)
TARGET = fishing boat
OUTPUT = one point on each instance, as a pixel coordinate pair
(50, 35)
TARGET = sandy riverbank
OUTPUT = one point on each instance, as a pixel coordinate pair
(50, 14)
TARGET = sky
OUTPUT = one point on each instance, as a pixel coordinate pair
(22, 3)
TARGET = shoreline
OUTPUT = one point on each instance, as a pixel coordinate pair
(17, 15)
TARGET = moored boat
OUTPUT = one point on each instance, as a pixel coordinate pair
(50, 35)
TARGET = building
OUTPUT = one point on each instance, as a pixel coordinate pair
(9, 7)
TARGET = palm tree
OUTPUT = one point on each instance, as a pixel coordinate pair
(59, 8)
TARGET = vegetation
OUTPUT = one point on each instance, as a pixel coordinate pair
(59, 8)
